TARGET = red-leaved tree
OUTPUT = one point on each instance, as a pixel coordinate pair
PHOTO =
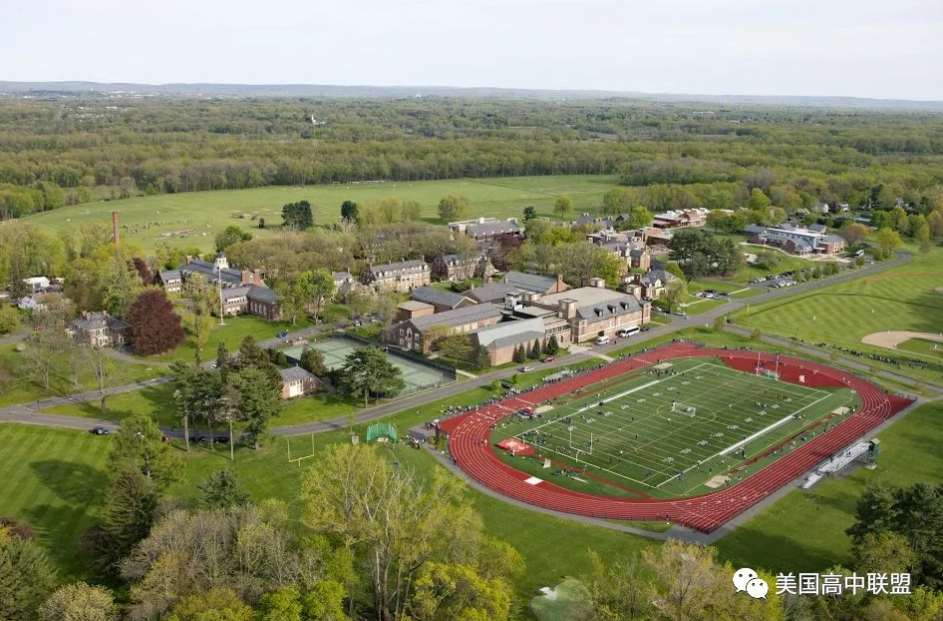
(153, 326)
(144, 271)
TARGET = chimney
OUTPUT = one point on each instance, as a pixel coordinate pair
(559, 287)
(114, 227)
(257, 275)
(598, 283)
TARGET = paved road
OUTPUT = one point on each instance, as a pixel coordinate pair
(29, 413)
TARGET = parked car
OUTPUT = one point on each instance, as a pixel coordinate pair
(99, 431)
(221, 439)
(526, 369)
(282, 335)
(549, 359)
(198, 439)
(681, 313)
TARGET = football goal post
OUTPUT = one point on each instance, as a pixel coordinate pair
(683, 408)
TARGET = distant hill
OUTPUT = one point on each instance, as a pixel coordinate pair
(76, 89)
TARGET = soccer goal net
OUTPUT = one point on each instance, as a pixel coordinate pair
(683, 408)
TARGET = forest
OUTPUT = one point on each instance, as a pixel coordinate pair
(63, 151)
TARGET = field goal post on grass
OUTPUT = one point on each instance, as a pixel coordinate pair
(382, 432)
(683, 408)
(302, 457)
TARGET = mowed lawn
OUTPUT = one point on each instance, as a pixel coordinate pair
(232, 333)
(25, 388)
(55, 480)
(805, 531)
(146, 219)
(903, 298)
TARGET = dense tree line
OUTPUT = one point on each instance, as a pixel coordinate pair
(59, 152)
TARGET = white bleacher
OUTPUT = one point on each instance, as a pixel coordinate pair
(841, 461)
(813, 478)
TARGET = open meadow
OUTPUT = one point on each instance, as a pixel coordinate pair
(194, 218)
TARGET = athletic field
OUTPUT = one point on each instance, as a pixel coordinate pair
(678, 429)
(416, 375)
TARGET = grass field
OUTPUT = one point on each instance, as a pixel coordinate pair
(669, 433)
(148, 219)
(902, 298)
(24, 388)
(232, 333)
(63, 478)
(55, 480)
(923, 347)
(805, 531)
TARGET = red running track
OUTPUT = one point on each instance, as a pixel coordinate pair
(469, 443)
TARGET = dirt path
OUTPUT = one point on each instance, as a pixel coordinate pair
(891, 339)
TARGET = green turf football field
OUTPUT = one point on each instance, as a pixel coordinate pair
(674, 431)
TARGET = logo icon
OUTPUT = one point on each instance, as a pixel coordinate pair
(742, 577)
(745, 579)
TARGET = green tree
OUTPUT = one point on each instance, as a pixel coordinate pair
(921, 233)
(230, 236)
(257, 399)
(553, 346)
(935, 220)
(444, 592)
(530, 213)
(367, 371)
(319, 287)
(9, 319)
(618, 201)
(219, 604)
(349, 210)
(221, 490)
(297, 216)
(482, 357)
(888, 241)
(312, 361)
(639, 218)
(520, 355)
(853, 232)
(675, 293)
(563, 206)
(535, 350)
(122, 286)
(453, 208)
(391, 522)
(27, 576)
(758, 200)
(80, 602)
(130, 509)
(281, 605)
(201, 300)
(139, 445)
(884, 552)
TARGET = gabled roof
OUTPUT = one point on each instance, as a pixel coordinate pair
(230, 293)
(490, 292)
(613, 308)
(489, 229)
(436, 297)
(209, 270)
(294, 374)
(413, 305)
(401, 267)
(754, 229)
(169, 275)
(510, 333)
(833, 239)
(457, 317)
(341, 276)
(262, 294)
(97, 321)
(818, 228)
(530, 282)
(658, 274)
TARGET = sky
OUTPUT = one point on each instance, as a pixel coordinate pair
(861, 48)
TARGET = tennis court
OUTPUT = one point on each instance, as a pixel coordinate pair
(416, 375)
(676, 428)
